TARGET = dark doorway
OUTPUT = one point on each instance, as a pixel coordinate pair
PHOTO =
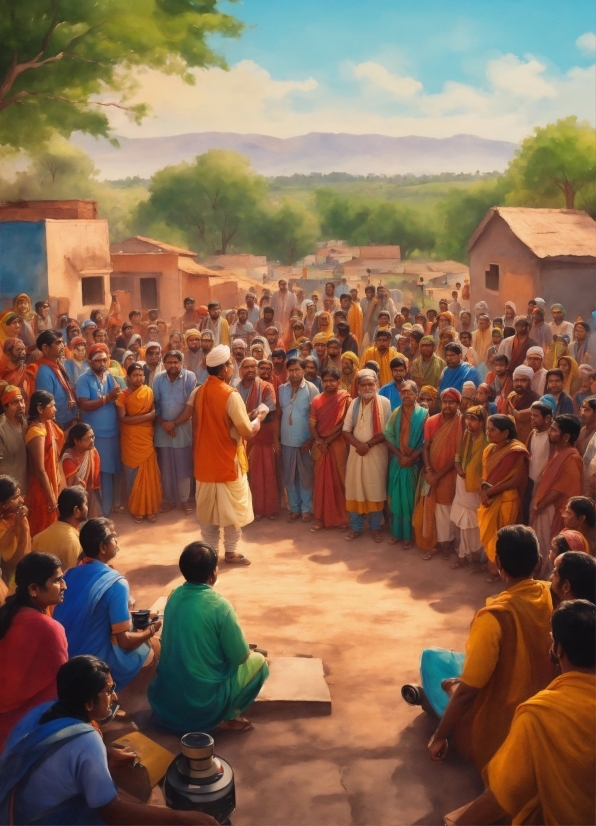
(149, 293)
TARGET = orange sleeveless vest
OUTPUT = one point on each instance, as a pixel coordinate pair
(215, 452)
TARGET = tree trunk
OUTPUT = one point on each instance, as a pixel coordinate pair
(569, 191)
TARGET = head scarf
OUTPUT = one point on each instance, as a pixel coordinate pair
(29, 311)
(451, 393)
(9, 394)
(481, 308)
(540, 302)
(219, 355)
(432, 391)
(477, 410)
(512, 305)
(576, 541)
(572, 380)
(10, 343)
(133, 338)
(350, 356)
(550, 401)
(192, 332)
(128, 353)
(427, 340)
(9, 317)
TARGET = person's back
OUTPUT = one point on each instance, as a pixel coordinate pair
(206, 673)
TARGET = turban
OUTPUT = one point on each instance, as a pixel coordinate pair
(239, 342)
(219, 355)
(586, 368)
(320, 338)
(86, 324)
(10, 343)
(451, 393)
(418, 328)
(202, 310)
(496, 330)
(535, 351)
(576, 541)
(427, 340)
(482, 306)
(523, 371)
(151, 344)
(550, 401)
(540, 302)
(192, 332)
(133, 338)
(126, 355)
(477, 411)
(97, 351)
(365, 374)
(10, 393)
(76, 341)
(467, 388)
(558, 307)
(350, 356)
(10, 317)
(432, 391)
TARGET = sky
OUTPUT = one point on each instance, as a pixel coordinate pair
(493, 68)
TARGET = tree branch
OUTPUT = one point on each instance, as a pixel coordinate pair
(21, 95)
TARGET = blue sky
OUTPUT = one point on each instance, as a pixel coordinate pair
(428, 67)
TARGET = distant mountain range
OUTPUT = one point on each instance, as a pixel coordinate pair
(316, 152)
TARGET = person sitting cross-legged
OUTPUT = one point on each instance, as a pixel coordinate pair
(544, 771)
(56, 768)
(207, 675)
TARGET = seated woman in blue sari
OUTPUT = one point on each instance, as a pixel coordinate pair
(56, 768)
(95, 612)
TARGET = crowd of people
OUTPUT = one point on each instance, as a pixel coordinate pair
(472, 438)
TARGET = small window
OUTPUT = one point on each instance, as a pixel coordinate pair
(93, 290)
(491, 278)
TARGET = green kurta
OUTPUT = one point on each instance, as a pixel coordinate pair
(206, 672)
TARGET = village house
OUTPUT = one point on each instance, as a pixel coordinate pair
(244, 265)
(58, 250)
(380, 259)
(331, 253)
(519, 253)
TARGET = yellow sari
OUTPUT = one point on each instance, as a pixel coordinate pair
(137, 451)
(500, 465)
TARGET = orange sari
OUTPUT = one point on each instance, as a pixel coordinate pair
(329, 494)
(137, 451)
(499, 465)
(39, 517)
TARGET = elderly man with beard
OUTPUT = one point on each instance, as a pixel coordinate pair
(516, 347)
(260, 449)
(224, 500)
(238, 355)
(13, 453)
(368, 459)
(13, 367)
(153, 363)
(349, 367)
(97, 390)
(194, 358)
(535, 359)
(173, 432)
(216, 324)
(521, 400)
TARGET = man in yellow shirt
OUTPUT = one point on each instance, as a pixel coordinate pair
(382, 352)
(62, 537)
(544, 771)
(507, 657)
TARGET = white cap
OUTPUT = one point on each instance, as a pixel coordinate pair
(219, 355)
(523, 370)
(535, 351)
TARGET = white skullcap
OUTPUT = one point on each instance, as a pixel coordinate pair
(586, 368)
(238, 341)
(219, 355)
(523, 370)
(535, 351)
(470, 387)
(366, 373)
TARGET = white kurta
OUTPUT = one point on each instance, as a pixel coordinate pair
(464, 515)
(366, 476)
(229, 503)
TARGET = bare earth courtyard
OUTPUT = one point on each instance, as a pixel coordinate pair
(366, 610)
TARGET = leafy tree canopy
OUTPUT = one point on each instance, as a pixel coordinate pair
(56, 54)
(215, 200)
(553, 165)
(286, 233)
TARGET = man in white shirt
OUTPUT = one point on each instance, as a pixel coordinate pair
(558, 325)
(242, 328)
(251, 308)
(539, 448)
(534, 359)
(283, 302)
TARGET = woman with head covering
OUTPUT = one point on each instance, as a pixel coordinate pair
(349, 368)
(22, 306)
(446, 336)
(309, 318)
(505, 465)
(559, 348)
(509, 314)
(323, 325)
(128, 358)
(480, 309)
(428, 396)
(11, 325)
(482, 340)
(570, 369)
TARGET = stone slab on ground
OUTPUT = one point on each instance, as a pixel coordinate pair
(296, 680)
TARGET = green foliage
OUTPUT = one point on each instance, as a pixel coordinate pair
(286, 233)
(462, 212)
(362, 221)
(553, 165)
(215, 201)
(56, 54)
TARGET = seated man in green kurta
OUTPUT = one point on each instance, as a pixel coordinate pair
(207, 675)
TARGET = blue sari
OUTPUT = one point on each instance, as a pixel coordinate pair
(87, 623)
(28, 746)
(401, 487)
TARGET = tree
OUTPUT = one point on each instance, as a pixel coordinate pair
(559, 158)
(286, 233)
(55, 55)
(341, 217)
(216, 200)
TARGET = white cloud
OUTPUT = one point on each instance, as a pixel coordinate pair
(380, 76)
(586, 43)
(523, 79)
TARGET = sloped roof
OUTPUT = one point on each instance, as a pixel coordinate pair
(138, 243)
(373, 252)
(192, 268)
(549, 233)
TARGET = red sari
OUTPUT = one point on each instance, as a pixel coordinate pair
(262, 477)
(329, 494)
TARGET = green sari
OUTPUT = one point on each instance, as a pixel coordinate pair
(401, 488)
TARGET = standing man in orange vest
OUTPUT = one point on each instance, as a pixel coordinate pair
(220, 464)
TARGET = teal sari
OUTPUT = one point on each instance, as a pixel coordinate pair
(401, 488)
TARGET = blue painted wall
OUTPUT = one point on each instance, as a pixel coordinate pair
(23, 260)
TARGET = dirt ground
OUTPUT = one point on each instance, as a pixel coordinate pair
(366, 610)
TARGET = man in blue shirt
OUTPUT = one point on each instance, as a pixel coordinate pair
(52, 376)
(97, 390)
(391, 391)
(293, 440)
(457, 371)
(173, 433)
